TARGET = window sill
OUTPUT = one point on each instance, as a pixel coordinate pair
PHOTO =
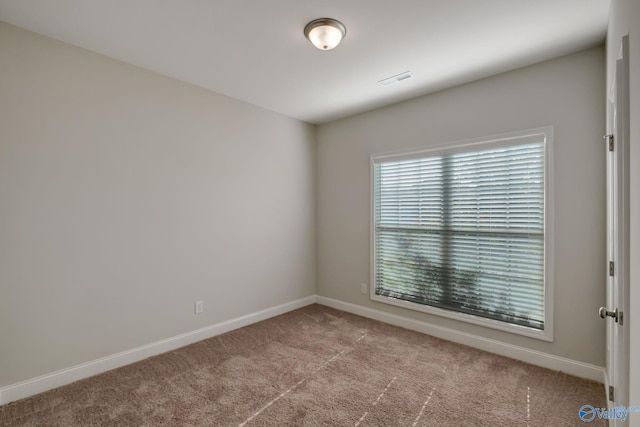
(544, 335)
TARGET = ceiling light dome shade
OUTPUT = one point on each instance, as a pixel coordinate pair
(325, 33)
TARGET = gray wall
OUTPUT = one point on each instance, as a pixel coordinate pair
(126, 196)
(567, 93)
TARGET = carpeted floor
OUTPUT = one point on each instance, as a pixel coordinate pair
(316, 367)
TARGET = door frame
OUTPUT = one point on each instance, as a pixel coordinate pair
(618, 232)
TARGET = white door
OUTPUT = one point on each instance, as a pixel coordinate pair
(617, 310)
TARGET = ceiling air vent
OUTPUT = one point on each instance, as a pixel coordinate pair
(395, 79)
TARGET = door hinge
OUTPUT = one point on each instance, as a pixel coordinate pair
(609, 140)
(611, 395)
(612, 268)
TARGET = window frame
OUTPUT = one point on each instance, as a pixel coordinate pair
(501, 140)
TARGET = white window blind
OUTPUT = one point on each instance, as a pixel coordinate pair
(464, 230)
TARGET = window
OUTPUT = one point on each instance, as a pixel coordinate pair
(461, 231)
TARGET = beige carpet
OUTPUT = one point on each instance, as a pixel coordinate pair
(316, 367)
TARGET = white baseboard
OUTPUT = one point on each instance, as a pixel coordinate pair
(66, 376)
(534, 357)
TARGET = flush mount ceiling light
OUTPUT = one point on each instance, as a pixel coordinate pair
(325, 33)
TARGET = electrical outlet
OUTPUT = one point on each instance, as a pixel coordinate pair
(199, 307)
(363, 288)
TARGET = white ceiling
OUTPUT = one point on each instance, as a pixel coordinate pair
(255, 50)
